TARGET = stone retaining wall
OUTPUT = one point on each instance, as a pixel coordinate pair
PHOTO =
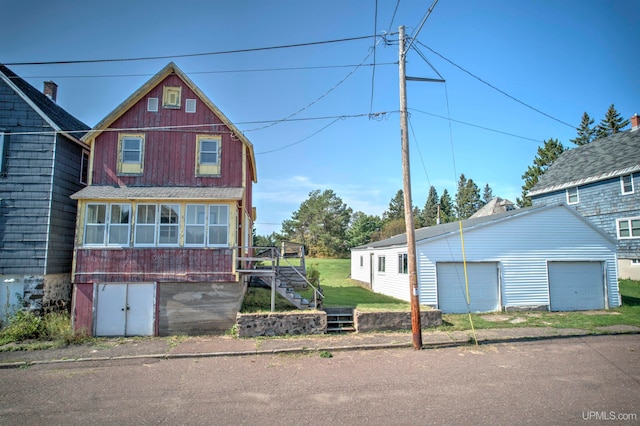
(282, 323)
(389, 321)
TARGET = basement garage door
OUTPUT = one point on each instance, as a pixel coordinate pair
(124, 309)
(483, 287)
(576, 286)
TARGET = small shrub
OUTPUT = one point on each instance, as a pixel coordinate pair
(313, 274)
(23, 325)
(326, 354)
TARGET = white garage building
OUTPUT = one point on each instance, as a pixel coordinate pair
(540, 257)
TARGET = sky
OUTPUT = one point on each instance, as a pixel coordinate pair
(326, 116)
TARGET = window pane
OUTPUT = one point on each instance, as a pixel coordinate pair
(208, 152)
(194, 229)
(218, 215)
(120, 213)
(168, 234)
(194, 235)
(169, 213)
(146, 214)
(218, 235)
(145, 234)
(624, 228)
(119, 234)
(131, 150)
(635, 227)
(195, 214)
(96, 213)
(94, 234)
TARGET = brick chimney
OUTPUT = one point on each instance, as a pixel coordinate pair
(635, 122)
(50, 90)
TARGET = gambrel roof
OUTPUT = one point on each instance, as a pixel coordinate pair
(447, 229)
(170, 68)
(612, 156)
(59, 119)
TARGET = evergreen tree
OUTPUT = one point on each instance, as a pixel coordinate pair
(430, 210)
(545, 157)
(468, 198)
(586, 133)
(487, 194)
(447, 213)
(363, 226)
(396, 207)
(612, 123)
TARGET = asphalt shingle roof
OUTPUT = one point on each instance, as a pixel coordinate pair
(65, 121)
(157, 193)
(615, 155)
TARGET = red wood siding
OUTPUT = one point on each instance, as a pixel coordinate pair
(154, 265)
(83, 308)
(169, 155)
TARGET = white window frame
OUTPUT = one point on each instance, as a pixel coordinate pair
(84, 167)
(403, 263)
(140, 225)
(622, 184)
(570, 194)
(195, 218)
(190, 106)
(220, 224)
(168, 226)
(107, 225)
(382, 264)
(629, 227)
(97, 225)
(152, 104)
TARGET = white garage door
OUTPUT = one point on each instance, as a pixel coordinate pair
(483, 287)
(125, 309)
(576, 286)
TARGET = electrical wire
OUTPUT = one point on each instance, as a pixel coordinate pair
(393, 17)
(499, 90)
(414, 35)
(373, 70)
(301, 140)
(189, 55)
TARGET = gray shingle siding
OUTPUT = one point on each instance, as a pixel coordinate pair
(603, 203)
(37, 220)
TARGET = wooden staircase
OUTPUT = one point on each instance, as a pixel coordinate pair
(340, 320)
(265, 265)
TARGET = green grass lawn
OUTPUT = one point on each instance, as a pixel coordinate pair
(340, 290)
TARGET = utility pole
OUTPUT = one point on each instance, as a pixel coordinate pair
(416, 328)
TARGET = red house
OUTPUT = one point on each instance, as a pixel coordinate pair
(166, 214)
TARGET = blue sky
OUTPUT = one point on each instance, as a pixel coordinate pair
(560, 57)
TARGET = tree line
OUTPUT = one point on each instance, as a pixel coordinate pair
(329, 228)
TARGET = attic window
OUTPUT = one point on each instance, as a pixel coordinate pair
(152, 104)
(572, 196)
(627, 184)
(171, 96)
(190, 105)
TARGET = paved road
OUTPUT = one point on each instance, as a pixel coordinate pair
(586, 380)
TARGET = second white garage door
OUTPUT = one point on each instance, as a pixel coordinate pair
(576, 286)
(484, 292)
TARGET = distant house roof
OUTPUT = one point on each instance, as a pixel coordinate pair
(158, 192)
(170, 68)
(59, 119)
(433, 232)
(495, 205)
(615, 155)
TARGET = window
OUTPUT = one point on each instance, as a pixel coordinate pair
(4, 149)
(627, 184)
(208, 155)
(130, 153)
(152, 104)
(194, 232)
(381, 264)
(629, 228)
(169, 224)
(145, 225)
(95, 224)
(171, 97)
(361, 261)
(110, 223)
(119, 224)
(403, 263)
(190, 105)
(84, 167)
(572, 195)
(218, 225)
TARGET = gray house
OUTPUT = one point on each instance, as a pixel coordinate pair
(546, 257)
(42, 163)
(601, 181)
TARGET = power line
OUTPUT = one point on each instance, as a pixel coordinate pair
(190, 55)
(414, 35)
(301, 140)
(213, 72)
(393, 17)
(499, 90)
(373, 70)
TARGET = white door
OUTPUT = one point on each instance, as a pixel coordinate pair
(576, 286)
(483, 287)
(124, 309)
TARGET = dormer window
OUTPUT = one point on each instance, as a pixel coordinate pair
(171, 97)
